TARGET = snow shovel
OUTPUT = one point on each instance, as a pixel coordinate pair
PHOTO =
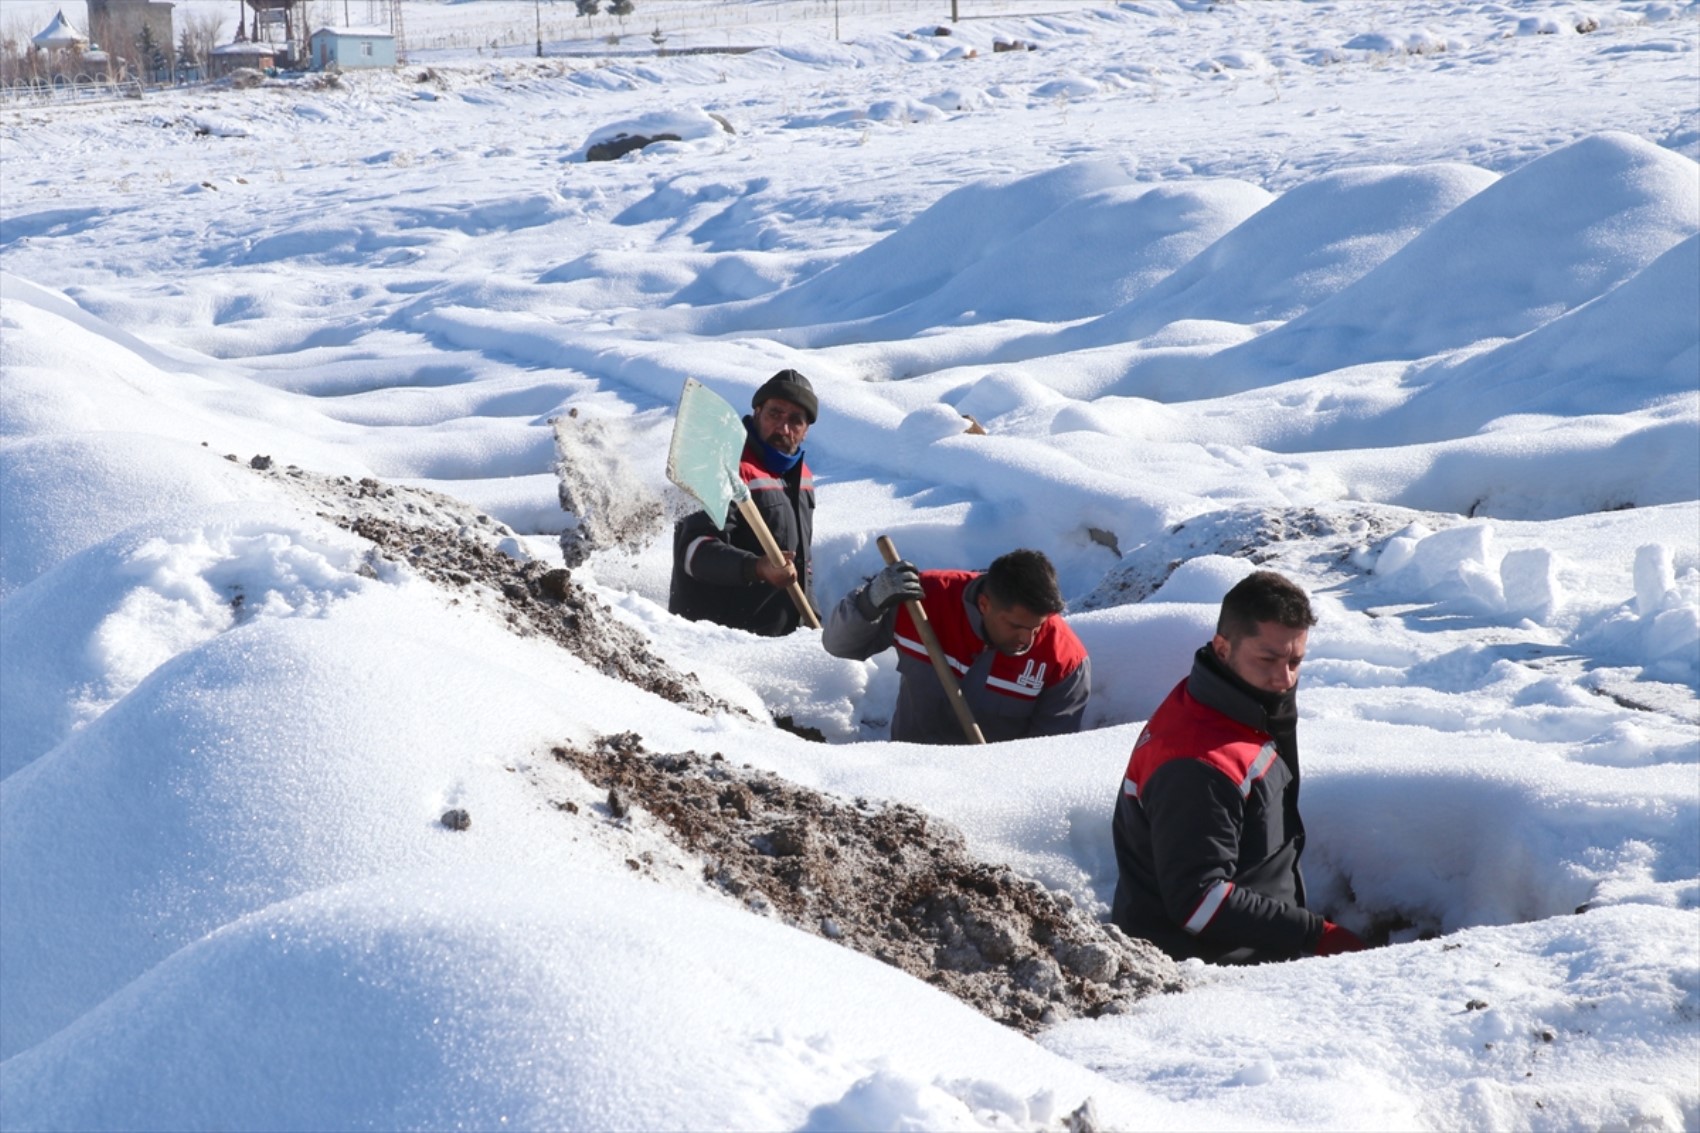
(708, 439)
(952, 690)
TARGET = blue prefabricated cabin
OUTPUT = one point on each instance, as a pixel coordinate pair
(349, 49)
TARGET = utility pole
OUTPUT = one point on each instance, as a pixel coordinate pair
(537, 6)
(953, 15)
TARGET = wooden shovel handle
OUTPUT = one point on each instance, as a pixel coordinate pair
(752, 516)
(947, 678)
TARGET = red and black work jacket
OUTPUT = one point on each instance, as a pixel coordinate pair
(714, 575)
(1042, 692)
(1207, 829)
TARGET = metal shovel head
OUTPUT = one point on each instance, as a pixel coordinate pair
(708, 441)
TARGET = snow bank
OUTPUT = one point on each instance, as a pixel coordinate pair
(1541, 241)
(203, 794)
(963, 227)
(534, 998)
(1495, 1028)
(1307, 244)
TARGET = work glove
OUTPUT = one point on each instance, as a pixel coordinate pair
(899, 582)
(1336, 940)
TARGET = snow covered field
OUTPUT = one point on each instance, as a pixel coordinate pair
(1402, 300)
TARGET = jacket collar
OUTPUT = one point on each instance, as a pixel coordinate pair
(777, 463)
(971, 607)
(1216, 686)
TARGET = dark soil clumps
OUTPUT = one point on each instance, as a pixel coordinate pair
(806, 731)
(538, 600)
(885, 880)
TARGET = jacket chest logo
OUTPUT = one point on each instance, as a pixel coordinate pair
(1033, 676)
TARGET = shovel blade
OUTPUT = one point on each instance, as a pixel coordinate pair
(708, 440)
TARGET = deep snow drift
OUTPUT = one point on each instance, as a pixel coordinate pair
(1399, 300)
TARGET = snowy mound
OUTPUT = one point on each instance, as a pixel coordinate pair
(962, 228)
(1309, 243)
(492, 997)
(1625, 351)
(685, 129)
(1562, 230)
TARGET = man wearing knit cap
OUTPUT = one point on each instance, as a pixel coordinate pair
(720, 573)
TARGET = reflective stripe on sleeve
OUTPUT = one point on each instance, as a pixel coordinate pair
(909, 645)
(1259, 767)
(766, 484)
(1206, 911)
(1129, 787)
(690, 552)
(1029, 691)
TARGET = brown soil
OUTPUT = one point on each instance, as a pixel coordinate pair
(457, 547)
(885, 880)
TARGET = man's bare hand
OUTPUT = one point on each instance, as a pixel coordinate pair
(780, 578)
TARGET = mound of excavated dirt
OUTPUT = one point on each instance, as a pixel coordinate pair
(459, 548)
(885, 880)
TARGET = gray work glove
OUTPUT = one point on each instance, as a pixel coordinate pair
(899, 582)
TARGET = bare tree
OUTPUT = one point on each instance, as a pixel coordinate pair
(199, 35)
(15, 62)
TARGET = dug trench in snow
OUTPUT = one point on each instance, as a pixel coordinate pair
(883, 879)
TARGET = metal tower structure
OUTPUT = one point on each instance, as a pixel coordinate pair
(387, 14)
(280, 23)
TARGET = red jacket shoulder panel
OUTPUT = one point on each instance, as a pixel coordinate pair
(1055, 655)
(1182, 728)
(942, 590)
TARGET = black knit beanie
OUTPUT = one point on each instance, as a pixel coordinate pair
(793, 387)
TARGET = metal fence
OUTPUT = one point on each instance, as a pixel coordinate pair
(67, 89)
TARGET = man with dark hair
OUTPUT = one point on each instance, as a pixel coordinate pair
(722, 575)
(1207, 830)
(1022, 670)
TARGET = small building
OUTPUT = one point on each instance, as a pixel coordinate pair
(59, 35)
(240, 55)
(59, 52)
(350, 49)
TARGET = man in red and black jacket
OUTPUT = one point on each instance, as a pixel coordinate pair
(1207, 829)
(1023, 672)
(720, 574)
